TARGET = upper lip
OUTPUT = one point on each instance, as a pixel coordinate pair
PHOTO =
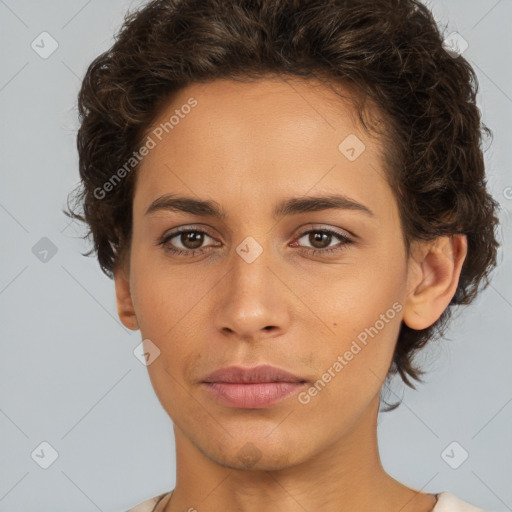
(262, 373)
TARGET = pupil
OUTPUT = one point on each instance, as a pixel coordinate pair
(194, 238)
(313, 238)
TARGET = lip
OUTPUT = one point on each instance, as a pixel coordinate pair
(256, 374)
(252, 388)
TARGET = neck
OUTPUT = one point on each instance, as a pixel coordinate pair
(345, 476)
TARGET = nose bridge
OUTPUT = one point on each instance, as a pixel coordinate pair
(249, 279)
(250, 262)
(250, 300)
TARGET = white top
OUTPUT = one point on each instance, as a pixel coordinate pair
(446, 502)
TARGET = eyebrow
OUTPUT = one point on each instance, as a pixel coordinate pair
(290, 206)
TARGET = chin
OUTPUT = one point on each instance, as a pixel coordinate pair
(253, 453)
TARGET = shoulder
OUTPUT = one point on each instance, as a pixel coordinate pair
(448, 502)
(149, 504)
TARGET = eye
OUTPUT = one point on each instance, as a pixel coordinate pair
(320, 239)
(190, 239)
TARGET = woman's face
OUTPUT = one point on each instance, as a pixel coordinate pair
(266, 284)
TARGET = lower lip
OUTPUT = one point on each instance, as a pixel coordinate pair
(252, 396)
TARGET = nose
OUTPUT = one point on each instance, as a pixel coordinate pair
(253, 302)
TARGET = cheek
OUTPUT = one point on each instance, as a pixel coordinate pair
(363, 315)
(170, 377)
(352, 369)
(159, 296)
(171, 312)
(355, 300)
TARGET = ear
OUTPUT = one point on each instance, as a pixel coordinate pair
(433, 275)
(125, 308)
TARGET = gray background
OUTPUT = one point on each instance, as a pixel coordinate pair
(68, 375)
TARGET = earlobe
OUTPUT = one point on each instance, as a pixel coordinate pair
(125, 308)
(433, 276)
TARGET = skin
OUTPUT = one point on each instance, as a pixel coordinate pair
(248, 146)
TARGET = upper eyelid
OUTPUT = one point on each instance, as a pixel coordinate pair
(186, 229)
(330, 230)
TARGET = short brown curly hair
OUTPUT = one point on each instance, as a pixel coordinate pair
(391, 51)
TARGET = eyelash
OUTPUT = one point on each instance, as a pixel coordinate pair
(192, 252)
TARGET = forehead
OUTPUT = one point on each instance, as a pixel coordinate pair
(304, 107)
(251, 137)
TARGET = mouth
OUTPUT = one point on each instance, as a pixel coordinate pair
(252, 388)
